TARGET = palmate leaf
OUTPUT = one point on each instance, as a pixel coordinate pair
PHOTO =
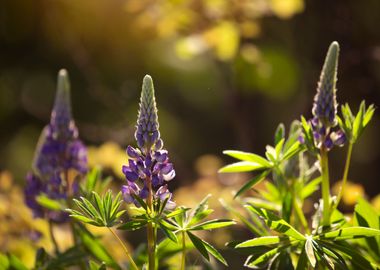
(205, 248)
(167, 230)
(353, 126)
(200, 212)
(355, 258)
(98, 211)
(276, 223)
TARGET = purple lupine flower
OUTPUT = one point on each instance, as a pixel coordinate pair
(325, 104)
(58, 151)
(149, 163)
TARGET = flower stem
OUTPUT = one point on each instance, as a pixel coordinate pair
(345, 175)
(134, 266)
(300, 215)
(52, 237)
(325, 186)
(183, 262)
(150, 233)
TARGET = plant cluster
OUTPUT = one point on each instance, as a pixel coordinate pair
(298, 164)
(61, 189)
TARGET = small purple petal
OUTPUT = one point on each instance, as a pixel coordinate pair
(132, 152)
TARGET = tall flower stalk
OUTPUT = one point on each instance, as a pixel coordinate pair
(148, 164)
(59, 153)
(59, 158)
(324, 112)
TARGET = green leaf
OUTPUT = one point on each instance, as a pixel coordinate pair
(199, 217)
(310, 187)
(309, 249)
(293, 150)
(169, 234)
(83, 219)
(48, 203)
(276, 223)
(213, 224)
(252, 182)
(140, 201)
(358, 261)
(201, 207)
(92, 177)
(205, 248)
(241, 166)
(176, 212)
(15, 263)
(279, 147)
(255, 229)
(214, 252)
(279, 133)
(260, 241)
(264, 257)
(358, 122)
(302, 261)
(198, 244)
(72, 256)
(4, 262)
(99, 204)
(368, 115)
(95, 248)
(133, 225)
(367, 216)
(350, 233)
(245, 156)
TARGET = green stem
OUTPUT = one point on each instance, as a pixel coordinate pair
(183, 262)
(325, 187)
(300, 215)
(133, 264)
(52, 237)
(345, 175)
(150, 232)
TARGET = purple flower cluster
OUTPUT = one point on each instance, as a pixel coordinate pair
(58, 151)
(325, 137)
(325, 104)
(149, 163)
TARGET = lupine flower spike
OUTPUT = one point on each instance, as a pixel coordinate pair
(59, 151)
(148, 163)
(325, 104)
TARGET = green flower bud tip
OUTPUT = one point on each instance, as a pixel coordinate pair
(325, 105)
(147, 133)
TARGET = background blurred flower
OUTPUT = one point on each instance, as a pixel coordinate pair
(58, 151)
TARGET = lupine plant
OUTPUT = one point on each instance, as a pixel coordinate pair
(284, 238)
(146, 192)
(59, 173)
